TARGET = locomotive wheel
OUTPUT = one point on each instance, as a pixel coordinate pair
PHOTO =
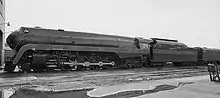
(94, 67)
(107, 67)
(126, 65)
(9, 67)
(137, 65)
(26, 67)
(80, 67)
(177, 64)
(131, 65)
(38, 69)
(65, 68)
(123, 66)
(48, 69)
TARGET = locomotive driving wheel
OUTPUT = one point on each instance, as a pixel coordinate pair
(80, 67)
(127, 64)
(26, 67)
(65, 68)
(107, 67)
(94, 67)
(9, 67)
(39, 69)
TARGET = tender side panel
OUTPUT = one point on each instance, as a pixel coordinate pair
(211, 55)
(161, 55)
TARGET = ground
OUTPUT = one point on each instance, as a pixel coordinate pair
(181, 82)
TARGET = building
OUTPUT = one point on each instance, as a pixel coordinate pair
(8, 52)
(2, 30)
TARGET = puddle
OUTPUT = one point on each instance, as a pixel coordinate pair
(119, 91)
(136, 93)
(6, 93)
(83, 93)
(104, 91)
(30, 93)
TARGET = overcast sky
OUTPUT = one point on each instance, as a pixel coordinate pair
(194, 22)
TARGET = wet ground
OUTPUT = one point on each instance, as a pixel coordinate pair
(100, 84)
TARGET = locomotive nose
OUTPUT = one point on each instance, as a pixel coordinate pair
(12, 39)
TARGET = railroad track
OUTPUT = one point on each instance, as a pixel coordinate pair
(81, 79)
(124, 75)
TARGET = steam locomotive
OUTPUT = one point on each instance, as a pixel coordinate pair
(41, 49)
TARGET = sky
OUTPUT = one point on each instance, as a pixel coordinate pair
(193, 22)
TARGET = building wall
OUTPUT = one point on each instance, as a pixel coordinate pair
(2, 30)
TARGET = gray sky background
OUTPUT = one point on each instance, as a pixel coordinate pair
(194, 22)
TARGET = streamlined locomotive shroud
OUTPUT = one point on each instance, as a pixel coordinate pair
(44, 49)
(41, 49)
